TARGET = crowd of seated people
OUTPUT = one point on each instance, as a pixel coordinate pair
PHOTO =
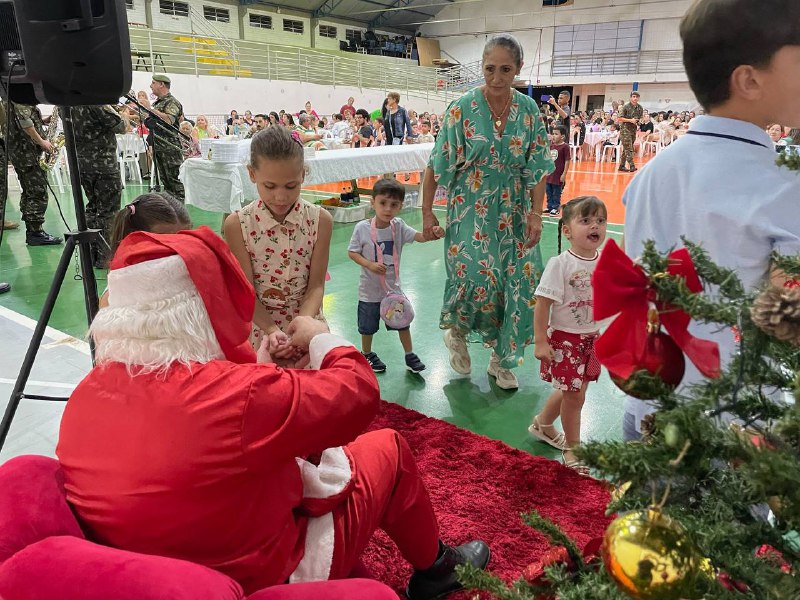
(663, 127)
(351, 127)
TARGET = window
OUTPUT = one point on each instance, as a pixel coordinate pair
(172, 8)
(261, 21)
(129, 4)
(599, 49)
(597, 38)
(212, 13)
(292, 26)
(351, 34)
(327, 31)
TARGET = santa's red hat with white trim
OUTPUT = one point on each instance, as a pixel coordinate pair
(148, 268)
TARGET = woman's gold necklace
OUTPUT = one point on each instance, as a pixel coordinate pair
(498, 118)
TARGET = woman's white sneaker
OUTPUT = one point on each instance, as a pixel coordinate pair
(505, 378)
(459, 355)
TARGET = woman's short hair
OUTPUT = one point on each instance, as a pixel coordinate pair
(721, 35)
(394, 96)
(507, 41)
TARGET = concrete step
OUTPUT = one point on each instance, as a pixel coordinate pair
(228, 62)
(231, 72)
(197, 40)
(204, 52)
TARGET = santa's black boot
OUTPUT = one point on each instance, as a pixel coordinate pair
(440, 579)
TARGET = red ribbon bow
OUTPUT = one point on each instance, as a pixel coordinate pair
(622, 287)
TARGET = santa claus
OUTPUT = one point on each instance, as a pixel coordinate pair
(179, 444)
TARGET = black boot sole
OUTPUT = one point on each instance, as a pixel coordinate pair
(53, 243)
(458, 587)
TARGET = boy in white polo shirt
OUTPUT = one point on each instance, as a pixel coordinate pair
(719, 185)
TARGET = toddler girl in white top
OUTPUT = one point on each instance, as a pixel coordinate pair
(564, 328)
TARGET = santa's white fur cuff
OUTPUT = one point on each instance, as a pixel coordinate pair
(322, 344)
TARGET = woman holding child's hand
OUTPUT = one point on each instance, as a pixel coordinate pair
(491, 156)
(282, 243)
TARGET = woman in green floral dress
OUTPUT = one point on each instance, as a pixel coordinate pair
(492, 156)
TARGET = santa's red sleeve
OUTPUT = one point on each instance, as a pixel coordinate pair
(297, 413)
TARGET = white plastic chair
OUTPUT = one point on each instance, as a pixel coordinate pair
(654, 146)
(615, 151)
(127, 151)
(574, 146)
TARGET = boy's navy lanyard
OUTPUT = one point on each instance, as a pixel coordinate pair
(727, 137)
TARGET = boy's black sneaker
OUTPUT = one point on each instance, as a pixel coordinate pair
(413, 363)
(632, 169)
(375, 362)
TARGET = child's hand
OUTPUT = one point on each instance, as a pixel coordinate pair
(438, 232)
(263, 355)
(377, 268)
(544, 352)
(278, 343)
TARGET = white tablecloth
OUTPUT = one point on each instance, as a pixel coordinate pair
(595, 137)
(221, 187)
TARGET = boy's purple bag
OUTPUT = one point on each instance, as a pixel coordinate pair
(396, 310)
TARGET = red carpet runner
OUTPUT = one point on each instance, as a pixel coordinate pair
(479, 487)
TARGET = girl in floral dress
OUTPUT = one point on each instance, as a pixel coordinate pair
(281, 241)
(492, 155)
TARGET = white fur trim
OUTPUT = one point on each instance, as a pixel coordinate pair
(148, 282)
(329, 478)
(318, 557)
(322, 344)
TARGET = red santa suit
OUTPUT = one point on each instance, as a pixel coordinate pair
(207, 461)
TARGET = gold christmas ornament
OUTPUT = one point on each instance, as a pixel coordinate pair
(776, 312)
(649, 556)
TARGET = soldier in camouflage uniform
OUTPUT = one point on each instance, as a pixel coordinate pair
(628, 121)
(25, 145)
(96, 144)
(167, 147)
(4, 173)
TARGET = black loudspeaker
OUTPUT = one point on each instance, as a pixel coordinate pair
(65, 52)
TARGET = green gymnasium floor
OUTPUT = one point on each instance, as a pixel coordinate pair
(474, 403)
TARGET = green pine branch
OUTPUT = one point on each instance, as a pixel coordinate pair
(730, 495)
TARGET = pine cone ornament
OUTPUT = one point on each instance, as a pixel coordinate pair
(777, 313)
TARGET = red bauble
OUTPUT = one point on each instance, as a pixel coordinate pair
(661, 357)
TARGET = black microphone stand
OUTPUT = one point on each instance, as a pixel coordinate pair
(157, 122)
(141, 124)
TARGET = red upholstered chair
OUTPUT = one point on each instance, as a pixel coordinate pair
(45, 556)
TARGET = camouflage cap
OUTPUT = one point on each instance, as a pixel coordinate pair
(162, 78)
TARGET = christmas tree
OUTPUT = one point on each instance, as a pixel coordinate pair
(708, 505)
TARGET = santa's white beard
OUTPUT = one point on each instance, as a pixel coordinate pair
(150, 337)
